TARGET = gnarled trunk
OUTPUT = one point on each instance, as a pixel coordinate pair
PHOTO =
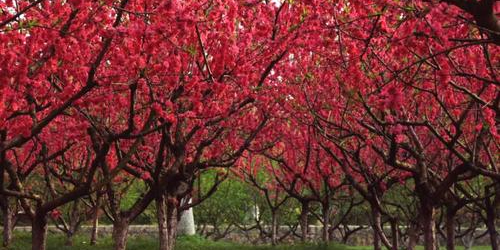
(39, 231)
(120, 231)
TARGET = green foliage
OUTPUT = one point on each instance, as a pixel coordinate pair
(399, 201)
(131, 195)
(232, 202)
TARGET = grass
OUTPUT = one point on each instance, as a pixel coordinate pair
(420, 248)
(56, 242)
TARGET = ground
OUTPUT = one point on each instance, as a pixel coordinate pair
(56, 242)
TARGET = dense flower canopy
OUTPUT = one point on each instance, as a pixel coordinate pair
(314, 91)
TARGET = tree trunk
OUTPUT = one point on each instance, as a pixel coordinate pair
(274, 226)
(167, 213)
(304, 224)
(39, 231)
(412, 236)
(95, 230)
(490, 225)
(491, 216)
(69, 239)
(4, 200)
(172, 219)
(161, 214)
(120, 233)
(8, 224)
(95, 223)
(428, 225)
(395, 234)
(450, 229)
(376, 240)
(326, 222)
(377, 227)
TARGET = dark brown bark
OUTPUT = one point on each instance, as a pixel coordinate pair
(450, 228)
(428, 225)
(274, 228)
(484, 15)
(326, 222)
(376, 240)
(395, 234)
(304, 223)
(377, 227)
(491, 207)
(120, 231)
(8, 224)
(39, 231)
(490, 226)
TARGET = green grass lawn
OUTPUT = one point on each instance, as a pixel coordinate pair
(56, 242)
(420, 248)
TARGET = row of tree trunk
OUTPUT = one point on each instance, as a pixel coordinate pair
(167, 215)
(426, 226)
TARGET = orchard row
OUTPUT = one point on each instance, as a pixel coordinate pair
(321, 96)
